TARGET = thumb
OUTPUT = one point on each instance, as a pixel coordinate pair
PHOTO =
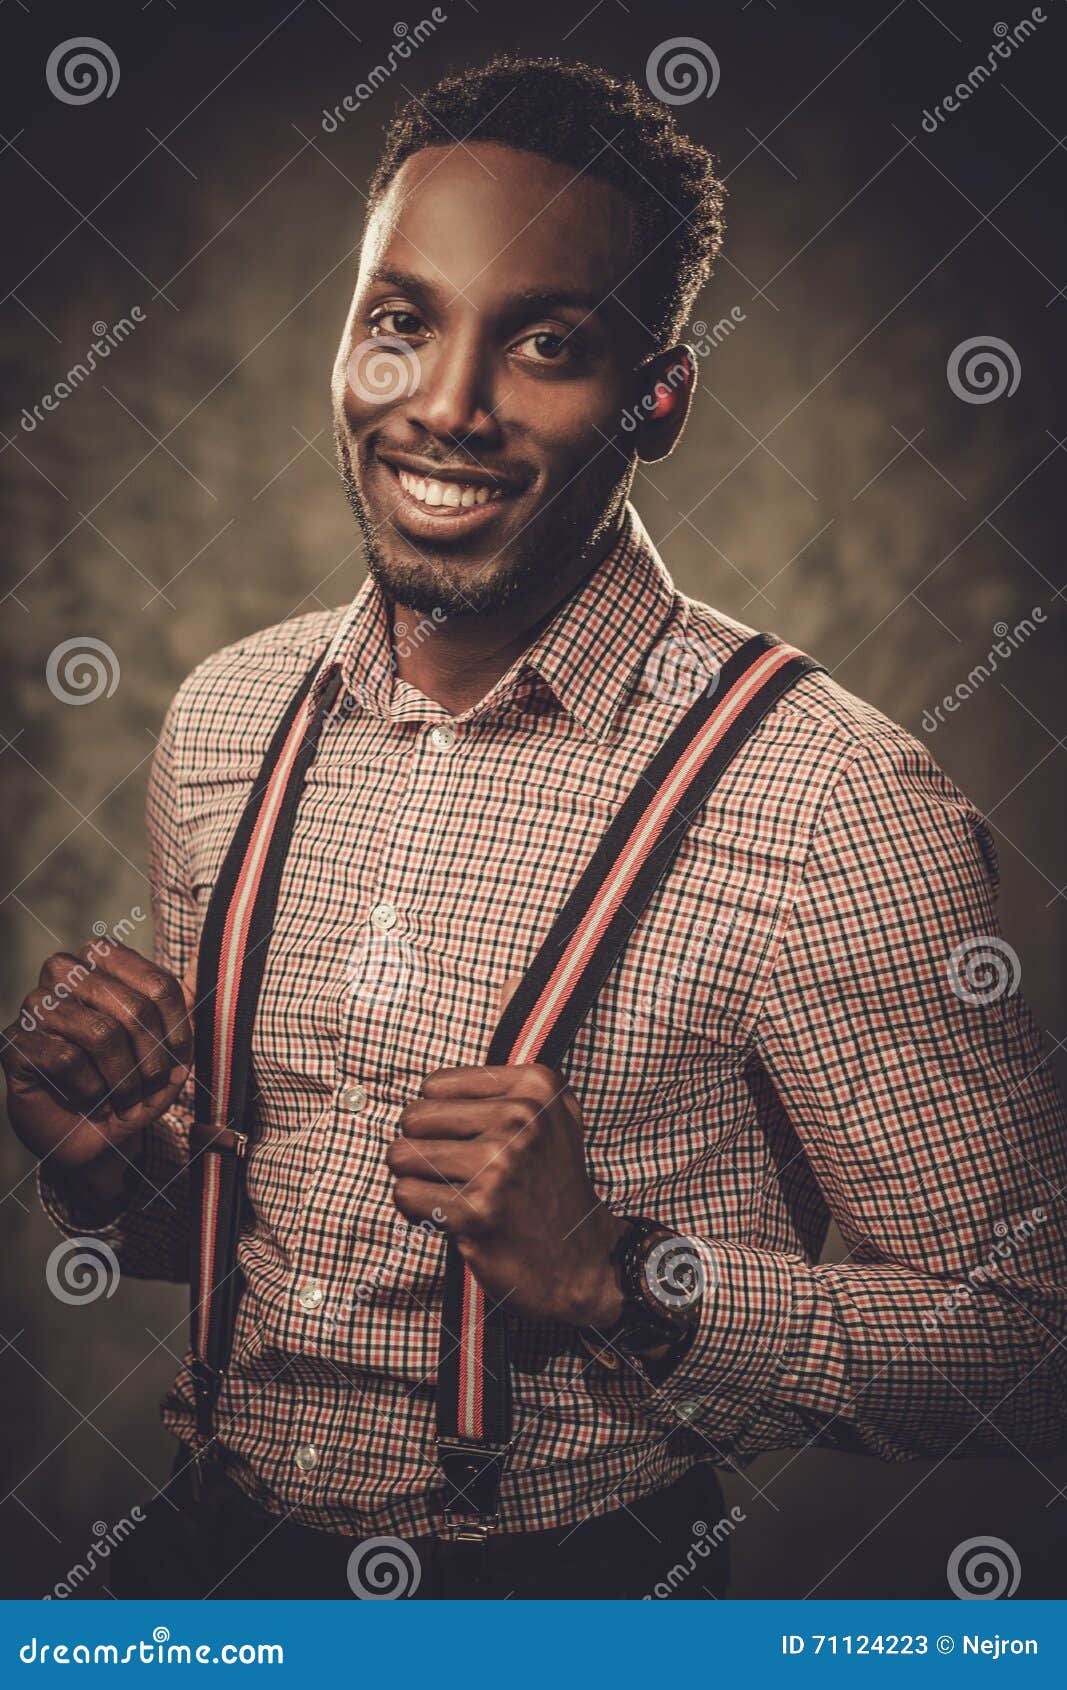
(508, 989)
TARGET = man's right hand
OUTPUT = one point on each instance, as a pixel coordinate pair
(99, 1050)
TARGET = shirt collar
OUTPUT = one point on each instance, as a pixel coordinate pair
(589, 655)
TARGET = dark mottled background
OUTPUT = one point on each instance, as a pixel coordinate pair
(832, 488)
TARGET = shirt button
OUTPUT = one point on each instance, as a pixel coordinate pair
(443, 736)
(687, 1410)
(310, 1295)
(352, 1099)
(306, 1457)
(383, 916)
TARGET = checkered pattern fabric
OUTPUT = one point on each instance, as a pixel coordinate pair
(807, 1024)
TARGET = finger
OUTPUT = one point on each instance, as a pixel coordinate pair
(161, 989)
(103, 1038)
(39, 1063)
(454, 1118)
(445, 1160)
(425, 1200)
(469, 1082)
(150, 1062)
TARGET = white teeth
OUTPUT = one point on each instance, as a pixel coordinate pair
(454, 494)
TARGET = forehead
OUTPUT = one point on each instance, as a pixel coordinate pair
(482, 218)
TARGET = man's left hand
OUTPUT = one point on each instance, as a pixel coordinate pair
(498, 1151)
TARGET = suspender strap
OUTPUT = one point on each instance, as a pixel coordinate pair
(543, 1016)
(233, 952)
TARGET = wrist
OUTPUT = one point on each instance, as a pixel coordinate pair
(658, 1292)
(600, 1302)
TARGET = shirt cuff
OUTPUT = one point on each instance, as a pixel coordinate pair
(76, 1209)
(742, 1344)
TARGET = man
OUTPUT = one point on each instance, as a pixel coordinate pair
(794, 1032)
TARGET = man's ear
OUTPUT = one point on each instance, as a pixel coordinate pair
(663, 395)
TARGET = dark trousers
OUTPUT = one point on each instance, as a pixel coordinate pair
(662, 1546)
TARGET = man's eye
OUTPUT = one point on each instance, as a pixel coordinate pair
(547, 346)
(403, 325)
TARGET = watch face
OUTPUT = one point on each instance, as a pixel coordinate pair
(669, 1276)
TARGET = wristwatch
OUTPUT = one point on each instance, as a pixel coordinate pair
(662, 1277)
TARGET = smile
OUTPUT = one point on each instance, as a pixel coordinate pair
(453, 494)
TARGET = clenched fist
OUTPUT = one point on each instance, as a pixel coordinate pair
(499, 1151)
(100, 1049)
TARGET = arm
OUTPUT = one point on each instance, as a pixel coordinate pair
(138, 1201)
(936, 1135)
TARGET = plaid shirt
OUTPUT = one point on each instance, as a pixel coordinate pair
(792, 1034)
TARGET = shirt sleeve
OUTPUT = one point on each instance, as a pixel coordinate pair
(895, 1040)
(148, 1227)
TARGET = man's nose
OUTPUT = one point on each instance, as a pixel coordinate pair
(453, 399)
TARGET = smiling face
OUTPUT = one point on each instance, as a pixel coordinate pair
(482, 376)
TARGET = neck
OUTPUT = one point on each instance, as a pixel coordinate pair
(464, 656)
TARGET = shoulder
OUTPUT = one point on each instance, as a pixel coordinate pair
(831, 757)
(231, 702)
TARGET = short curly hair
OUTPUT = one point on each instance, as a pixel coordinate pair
(580, 116)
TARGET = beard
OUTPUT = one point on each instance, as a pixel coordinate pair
(561, 534)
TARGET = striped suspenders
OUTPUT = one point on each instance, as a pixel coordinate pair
(538, 1025)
